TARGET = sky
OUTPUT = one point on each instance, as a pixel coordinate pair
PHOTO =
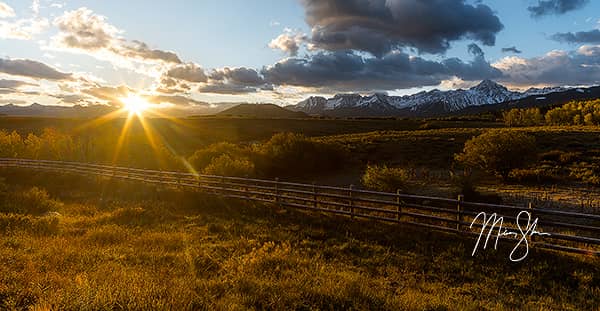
(202, 53)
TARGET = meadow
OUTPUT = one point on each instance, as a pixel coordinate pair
(75, 243)
(86, 244)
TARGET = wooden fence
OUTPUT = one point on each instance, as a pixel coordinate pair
(569, 231)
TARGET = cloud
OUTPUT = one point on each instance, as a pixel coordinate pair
(109, 93)
(592, 36)
(581, 67)
(288, 42)
(512, 49)
(32, 69)
(188, 72)
(380, 26)
(83, 31)
(176, 100)
(71, 98)
(238, 80)
(223, 88)
(556, 7)
(14, 84)
(348, 71)
(240, 75)
(21, 29)
(6, 10)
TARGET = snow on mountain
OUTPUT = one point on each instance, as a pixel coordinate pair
(433, 102)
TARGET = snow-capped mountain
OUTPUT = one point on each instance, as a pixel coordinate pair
(434, 102)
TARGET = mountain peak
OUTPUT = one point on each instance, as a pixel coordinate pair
(488, 85)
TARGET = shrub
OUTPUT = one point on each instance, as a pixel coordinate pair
(383, 178)
(523, 117)
(288, 154)
(34, 201)
(587, 173)
(225, 165)
(498, 151)
(535, 175)
(203, 157)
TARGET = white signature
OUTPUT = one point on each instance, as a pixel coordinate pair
(524, 232)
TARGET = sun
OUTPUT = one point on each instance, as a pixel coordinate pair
(135, 104)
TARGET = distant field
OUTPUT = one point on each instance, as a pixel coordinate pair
(96, 245)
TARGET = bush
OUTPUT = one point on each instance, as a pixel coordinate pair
(498, 151)
(288, 154)
(587, 173)
(34, 201)
(535, 175)
(383, 178)
(225, 165)
(203, 157)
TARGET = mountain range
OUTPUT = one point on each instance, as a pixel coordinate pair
(487, 96)
(432, 103)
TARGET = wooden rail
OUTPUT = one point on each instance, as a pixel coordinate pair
(569, 231)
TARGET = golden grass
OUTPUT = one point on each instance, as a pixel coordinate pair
(183, 251)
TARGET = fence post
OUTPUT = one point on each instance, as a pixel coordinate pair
(314, 189)
(223, 184)
(277, 193)
(398, 206)
(459, 209)
(246, 186)
(351, 201)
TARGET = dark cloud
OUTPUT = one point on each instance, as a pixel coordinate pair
(380, 26)
(512, 49)
(32, 69)
(239, 80)
(241, 76)
(555, 7)
(592, 36)
(581, 67)
(187, 72)
(348, 71)
(224, 88)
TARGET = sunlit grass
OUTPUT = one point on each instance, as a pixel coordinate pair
(139, 248)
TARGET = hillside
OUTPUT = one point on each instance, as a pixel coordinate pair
(262, 111)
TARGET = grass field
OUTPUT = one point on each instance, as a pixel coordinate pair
(70, 243)
(102, 245)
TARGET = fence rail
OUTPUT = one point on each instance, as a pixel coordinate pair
(569, 231)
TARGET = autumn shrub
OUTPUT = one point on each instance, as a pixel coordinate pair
(226, 165)
(288, 154)
(384, 178)
(586, 172)
(203, 157)
(498, 151)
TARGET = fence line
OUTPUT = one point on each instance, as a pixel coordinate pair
(570, 231)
